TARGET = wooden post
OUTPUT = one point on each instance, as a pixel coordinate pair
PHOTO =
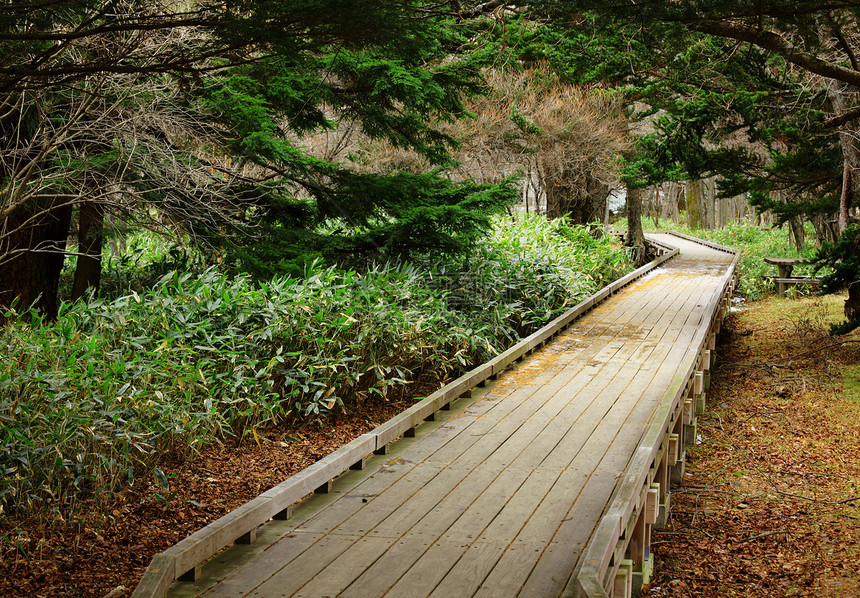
(639, 552)
(192, 574)
(663, 479)
(284, 514)
(248, 537)
(623, 586)
(677, 473)
(672, 449)
(652, 504)
(636, 547)
(699, 392)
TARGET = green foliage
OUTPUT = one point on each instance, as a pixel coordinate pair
(531, 272)
(523, 123)
(315, 208)
(373, 216)
(714, 98)
(842, 258)
(207, 131)
(97, 398)
(842, 261)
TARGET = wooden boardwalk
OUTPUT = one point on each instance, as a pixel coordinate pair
(500, 497)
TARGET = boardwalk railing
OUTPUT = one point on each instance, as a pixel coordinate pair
(183, 560)
(617, 558)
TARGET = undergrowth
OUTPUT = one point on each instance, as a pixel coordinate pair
(98, 397)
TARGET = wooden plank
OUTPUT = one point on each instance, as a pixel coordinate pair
(157, 578)
(335, 579)
(284, 494)
(267, 564)
(291, 577)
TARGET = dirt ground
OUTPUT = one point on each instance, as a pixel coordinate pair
(769, 506)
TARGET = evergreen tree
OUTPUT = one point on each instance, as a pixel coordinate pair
(763, 95)
(194, 113)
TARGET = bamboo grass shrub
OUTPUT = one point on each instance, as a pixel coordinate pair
(100, 396)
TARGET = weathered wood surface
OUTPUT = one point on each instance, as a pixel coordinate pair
(498, 498)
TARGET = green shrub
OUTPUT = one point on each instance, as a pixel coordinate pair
(99, 396)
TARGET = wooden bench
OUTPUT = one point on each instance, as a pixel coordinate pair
(785, 279)
(784, 264)
(783, 283)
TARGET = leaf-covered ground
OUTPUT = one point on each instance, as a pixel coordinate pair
(104, 548)
(770, 506)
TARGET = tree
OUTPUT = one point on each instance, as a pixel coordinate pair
(761, 95)
(563, 139)
(843, 259)
(189, 117)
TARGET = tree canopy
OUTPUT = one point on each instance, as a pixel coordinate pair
(190, 118)
(196, 118)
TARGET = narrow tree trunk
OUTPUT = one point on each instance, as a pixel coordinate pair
(90, 238)
(708, 197)
(845, 198)
(798, 233)
(845, 98)
(655, 212)
(694, 204)
(635, 235)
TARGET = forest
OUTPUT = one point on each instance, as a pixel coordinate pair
(223, 223)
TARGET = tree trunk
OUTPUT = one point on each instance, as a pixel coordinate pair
(798, 233)
(671, 197)
(582, 202)
(845, 198)
(597, 194)
(844, 98)
(32, 255)
(90, 238)
(709, 198)
(694, 204)
(635, 235)
(655, 206)
(554, 200)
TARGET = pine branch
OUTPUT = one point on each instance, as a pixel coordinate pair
(769, 40)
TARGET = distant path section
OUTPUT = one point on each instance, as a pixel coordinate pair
(501, 497)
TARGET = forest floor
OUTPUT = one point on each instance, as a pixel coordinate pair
(770, 505)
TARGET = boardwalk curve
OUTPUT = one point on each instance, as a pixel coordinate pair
(545, 483)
